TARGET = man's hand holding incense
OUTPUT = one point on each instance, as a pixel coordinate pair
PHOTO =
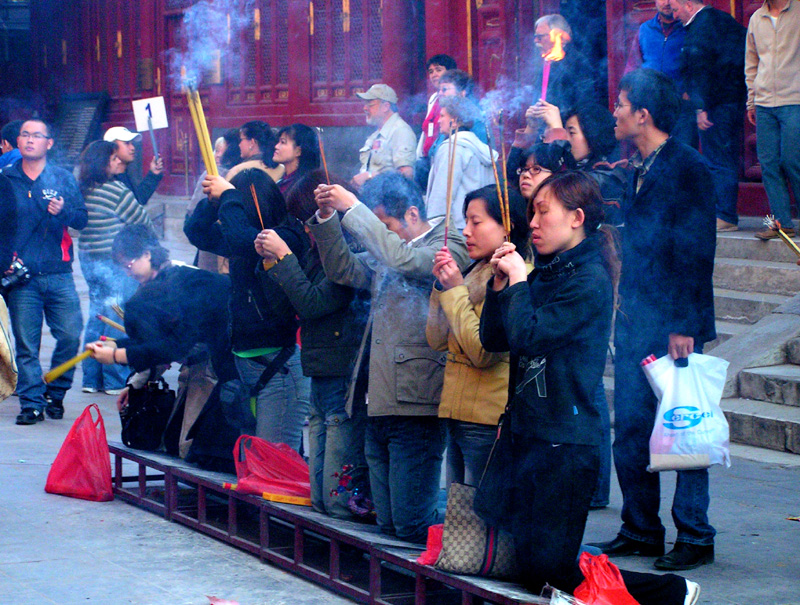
(215, 186)
(546, 112)
(334, 196)
(270, 245)
(446, 270)
(103, 351)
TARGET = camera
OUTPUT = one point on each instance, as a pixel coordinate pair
(18, 276)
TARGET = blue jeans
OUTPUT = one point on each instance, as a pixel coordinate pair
(635, 408)
(778, 147)
(335, 440)
(603, 487)
(404, 455)
(51, 297)
(282, 405)
(721, 146)
(108, 284)
(468, 448)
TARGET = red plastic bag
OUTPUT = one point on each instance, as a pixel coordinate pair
(273, 471)
(82, 468)
(603, 584)
(433, 547)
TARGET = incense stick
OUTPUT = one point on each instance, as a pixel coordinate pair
(66, 366)
(771, 223)
(206, 136)
(322, 155)
(255, 201)
(111, 322)
(504, 200)
(118, 310)
(496, 177)
(452, 148)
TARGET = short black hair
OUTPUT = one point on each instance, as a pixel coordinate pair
(597, 124)
(261, 133)
(395, 193)
(10, 132)
(306, 139)
(445, 61)
(520, 225)
(555, 156)
(652, 90)
(48, 129)
(134, 240)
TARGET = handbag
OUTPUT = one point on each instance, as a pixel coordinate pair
(145, 418)
(469, 545)
(82, 468)
(690, 430)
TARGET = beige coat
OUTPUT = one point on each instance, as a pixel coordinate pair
(475, 381)
(8, 366)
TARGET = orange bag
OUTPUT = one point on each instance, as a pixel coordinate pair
(602, 584)
(82, 468)
(273, 471)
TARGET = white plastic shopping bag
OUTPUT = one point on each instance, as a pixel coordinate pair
(690, 430)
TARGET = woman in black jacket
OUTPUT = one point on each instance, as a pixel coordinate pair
(556, 322)
(227, 224)
(332, 320)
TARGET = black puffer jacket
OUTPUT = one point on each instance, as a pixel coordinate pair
(557, 327)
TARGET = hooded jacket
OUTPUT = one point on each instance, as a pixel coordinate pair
(472, 170)
(557, 327)
(42, 240)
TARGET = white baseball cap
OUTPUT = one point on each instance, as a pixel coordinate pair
(120, 133)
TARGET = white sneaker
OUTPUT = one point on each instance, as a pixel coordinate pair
(692, 593)
(112, 391)
(89, 390)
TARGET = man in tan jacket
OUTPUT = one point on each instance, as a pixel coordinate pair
(772, 73)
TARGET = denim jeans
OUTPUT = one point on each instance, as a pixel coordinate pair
(603, 487)
(335, 440)
(721, 146)
(108, 284)
(404, 455)
(53, 297)
(635, 408)
(282, 405)
(468, 448)
(778, 147)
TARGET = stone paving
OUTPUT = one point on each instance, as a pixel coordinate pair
(60, 550)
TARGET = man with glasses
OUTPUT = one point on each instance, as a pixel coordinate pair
(393, 145)
(48, 202)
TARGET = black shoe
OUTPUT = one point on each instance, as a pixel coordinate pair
(54, 408)
(685, 556)
(30, 416)
(623, 547)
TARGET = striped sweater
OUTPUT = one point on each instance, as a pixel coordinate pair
(111, 206)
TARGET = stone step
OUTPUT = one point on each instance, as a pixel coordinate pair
(744, 307)
(742, 244)
(776, 384)
(750, 275)
(763, 424)
(793, 351)
(725, 331)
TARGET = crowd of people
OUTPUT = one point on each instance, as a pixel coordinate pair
(404, 311)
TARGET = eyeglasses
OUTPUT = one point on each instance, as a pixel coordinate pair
(618, 105)
(532, 170)
(36, 136)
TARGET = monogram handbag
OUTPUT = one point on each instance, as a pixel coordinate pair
(469, 545)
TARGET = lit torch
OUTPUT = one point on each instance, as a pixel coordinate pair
(558, 38)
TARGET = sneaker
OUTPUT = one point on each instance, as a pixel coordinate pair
(724, 226)
(692, 593)
(769, 234)
(112, 391)
(89, 390)
(30, 416)
(54, 407)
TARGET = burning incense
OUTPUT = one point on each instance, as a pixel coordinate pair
(111, 322)
(118, 310)
(452, 148)
(506, 226)
(255, 201)
(504, 198)
(557, 37)
(201, 129)
(771, 223)
(322, 155)
(66, 366)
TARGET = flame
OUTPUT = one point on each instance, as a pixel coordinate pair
(557, 38)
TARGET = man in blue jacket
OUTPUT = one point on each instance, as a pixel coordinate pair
(48, 202)
(667, 307)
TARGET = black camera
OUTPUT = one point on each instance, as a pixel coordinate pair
(19, 276)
